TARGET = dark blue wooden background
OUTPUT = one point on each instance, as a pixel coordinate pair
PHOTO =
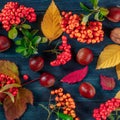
(41, 94)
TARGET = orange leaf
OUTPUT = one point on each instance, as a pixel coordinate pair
(15, 110)
(118, 71)
(51, 22)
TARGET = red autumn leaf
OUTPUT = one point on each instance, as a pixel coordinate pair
(107, 83)
(75, 76)
(15, 110)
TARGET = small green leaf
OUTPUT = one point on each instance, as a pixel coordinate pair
(33, 32)
(44, 40)
(26, 33)
(20, 49)
(12, 33)
(104, 11)
(84, 7)
(99, 17)
(96, 17)
(26, 26)
(8, 86)
(94, 3)
(111, 117)
(10, 95)
(85, 18)
(36, 40)
(118, 117)
(18, 42)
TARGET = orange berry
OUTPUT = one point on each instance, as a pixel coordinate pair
(58, 104)
(67, 31)
(65, 112)
(56, 98)
(62, 103)
(73, 115)
(71, 36)
(67, 103)
(77, 118)
(56, 91)
(78, 35)
(52, 92)
(68, 95)
(51, 106)
(93, 41)
(60, 94)
(70, 99)
(64, 96)
(61, 99)
(60, 89)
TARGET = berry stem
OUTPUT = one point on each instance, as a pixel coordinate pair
(26, 83)
(56, 51)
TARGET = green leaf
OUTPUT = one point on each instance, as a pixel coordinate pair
(84, 7)
(20, 49)
(118, 117)
(12, 33)
(96, 17)
(85, 18)
(18, 42)
(104, 11)
(8, 86)
(99, 17)
(44, 40)
(111, 117)
(26, 33)
(36, 40)
(26, 26)
(10, 95)
(94, 3)
(34, 32)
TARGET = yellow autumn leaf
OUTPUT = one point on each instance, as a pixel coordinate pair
(109, 57)
(51, 22)
(118, 71)
(117, 95)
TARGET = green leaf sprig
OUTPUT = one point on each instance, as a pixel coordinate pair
(98, 12)
(28, 44)
(114, 116)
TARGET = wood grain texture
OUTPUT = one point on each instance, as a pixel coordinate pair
(41, 94)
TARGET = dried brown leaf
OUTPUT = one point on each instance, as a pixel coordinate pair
(118, 71)
(51, 22)
(9, 65)
(15, 110)
(9, 68)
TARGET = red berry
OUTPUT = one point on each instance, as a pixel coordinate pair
(25, 77)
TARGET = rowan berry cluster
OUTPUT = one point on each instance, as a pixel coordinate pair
(13, 14)
(65, 53)
(106, 108)
(4, 80)
(84, 33)
(65, 102)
